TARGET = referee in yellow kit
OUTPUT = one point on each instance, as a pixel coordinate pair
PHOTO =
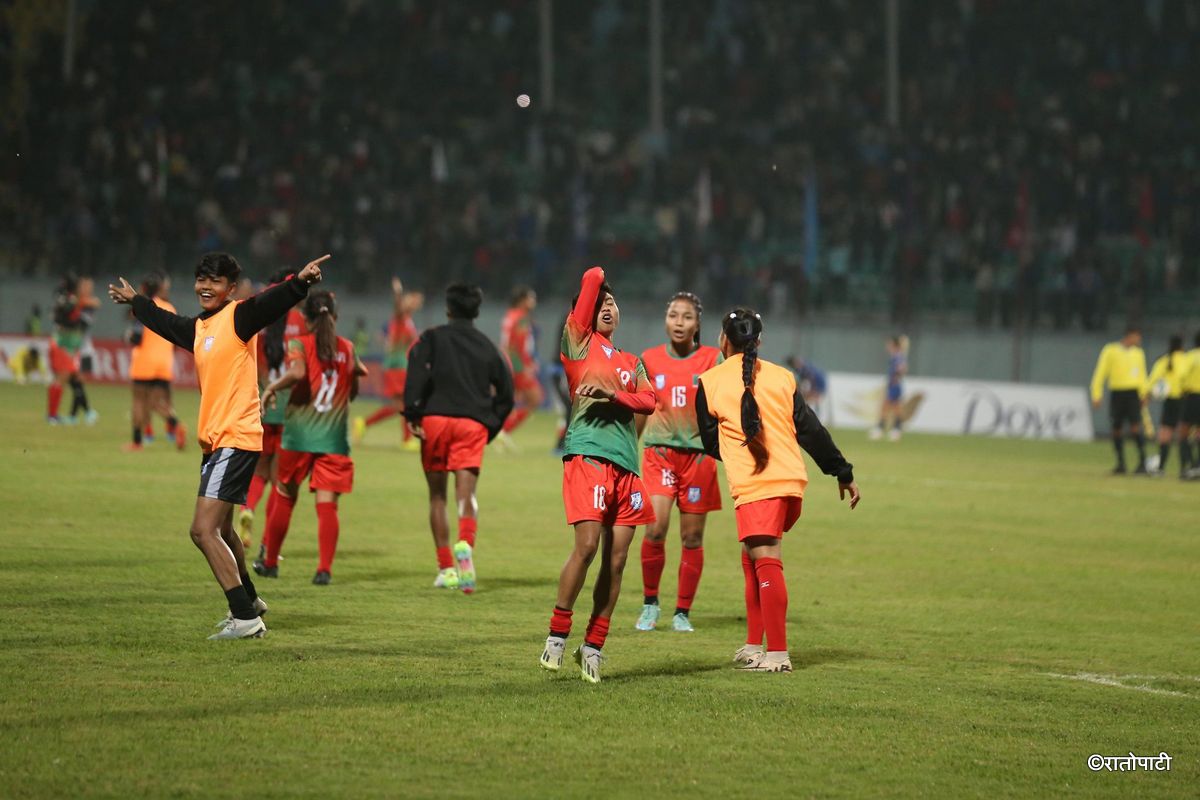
(1122, 365)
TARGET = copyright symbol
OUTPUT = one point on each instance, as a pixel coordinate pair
(1095, 762)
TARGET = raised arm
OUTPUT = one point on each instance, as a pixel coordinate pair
(258, 311)
(589, 291)
(180, 331)
(710, 435)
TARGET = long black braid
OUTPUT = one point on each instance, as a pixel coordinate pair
(742, 328)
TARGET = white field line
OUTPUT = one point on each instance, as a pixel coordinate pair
(1115, 680)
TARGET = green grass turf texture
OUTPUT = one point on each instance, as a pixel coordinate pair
(923, 628)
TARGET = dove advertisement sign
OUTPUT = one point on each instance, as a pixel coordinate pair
(947, 405)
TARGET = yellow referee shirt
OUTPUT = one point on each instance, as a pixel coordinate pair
(1170, 369)
(1191, 371)
(1122, 368)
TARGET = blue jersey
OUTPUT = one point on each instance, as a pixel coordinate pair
(897, 364)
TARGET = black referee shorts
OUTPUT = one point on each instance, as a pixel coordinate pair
(1125, 407)
(1172, 411)
(1190, 412)
(225, 474)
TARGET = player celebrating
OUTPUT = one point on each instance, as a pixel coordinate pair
(457, 396)
(516, 342)
(604, 496)
(272, 346)
(1169, 371)
(325, 371)
(152, 368)
(74, 306)
(401, 333)
(753, 416)
(675, 466)
(229, 427)
(1122, 365)
(892, 410)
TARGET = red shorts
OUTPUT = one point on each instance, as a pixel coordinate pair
(771, 517)
(688, 477)
(393, 383)
(452, 443)
(63, 361)
(595, 490)
(272, 436)
(329, 471)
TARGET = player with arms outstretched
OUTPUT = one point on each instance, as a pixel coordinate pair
(675, 467)
(401, 334)
(752, 415)
(229, 427)
(322, 373)
(603, 493)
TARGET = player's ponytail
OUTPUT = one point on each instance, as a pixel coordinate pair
(1174, 345)
(320, 310)
(743, 328)
(696, 304)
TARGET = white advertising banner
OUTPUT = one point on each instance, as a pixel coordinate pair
(947, 405)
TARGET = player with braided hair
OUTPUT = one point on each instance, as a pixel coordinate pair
(675, 467)
(752, 416)
(323, 373)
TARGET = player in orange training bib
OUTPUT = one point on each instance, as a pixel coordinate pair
(604, 496)
(753, 417)
(675, 467)
(229, 427)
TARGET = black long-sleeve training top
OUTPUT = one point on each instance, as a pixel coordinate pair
(251, 315)
(811, 435)
(455, 371)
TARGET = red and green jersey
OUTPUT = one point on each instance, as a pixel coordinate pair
(294, 327)
(516, 340)
(675, 379)
(401, 334)
(319, 406)
(601, 428)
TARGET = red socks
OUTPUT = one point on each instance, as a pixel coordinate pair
(691, 564)
(518, 416)
(279, 517)
(597, 631)
(255, 493)
(560, 622)
(53, 399)
(467, 526)
(754, 619)
(381, 415)
(654, 558)
(772, 592)
(327, 534)
(445, 558)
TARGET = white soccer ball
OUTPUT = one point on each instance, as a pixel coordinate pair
(1153, 463)
(523, 100)
(1159, 390)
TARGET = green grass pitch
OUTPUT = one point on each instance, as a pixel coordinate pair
(956, 636)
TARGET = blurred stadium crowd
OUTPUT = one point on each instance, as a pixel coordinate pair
(1045, 168)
